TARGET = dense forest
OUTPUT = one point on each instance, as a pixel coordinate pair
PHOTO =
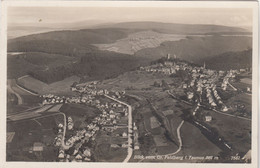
(230, 60)
(99, 65)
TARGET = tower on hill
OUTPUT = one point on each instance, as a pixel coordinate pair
(168, 56)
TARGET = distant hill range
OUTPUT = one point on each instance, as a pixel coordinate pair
(176, 28)
(78, 55)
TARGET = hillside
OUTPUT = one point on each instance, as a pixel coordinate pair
(67, 42)
(175, 28)
(94, 66)
(22, 64)
(230, 60)
(194, 49)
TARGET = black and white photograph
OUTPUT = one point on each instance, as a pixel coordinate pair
(148, 83)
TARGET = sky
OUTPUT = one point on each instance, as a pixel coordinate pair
(71, 17)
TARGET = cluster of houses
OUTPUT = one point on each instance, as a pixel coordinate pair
(167, 68)
(136, 142)
(230, 74)
(201, 80)
(70, 123)
(52, 99)
(207, 81)
(58, 138)
(108, 120)
(212, 99)
(89, 88)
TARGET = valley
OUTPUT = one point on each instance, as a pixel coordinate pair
(134, 92)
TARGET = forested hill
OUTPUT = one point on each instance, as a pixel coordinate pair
(230, 60)
(194, 49)
(71, 52)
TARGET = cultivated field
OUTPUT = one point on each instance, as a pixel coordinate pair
(154, 122)
(140, 40)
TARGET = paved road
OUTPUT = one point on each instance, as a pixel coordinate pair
(65, 147)
(130, 140)
(233, 87)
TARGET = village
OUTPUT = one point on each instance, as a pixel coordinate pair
(113, 119)
(200, 85)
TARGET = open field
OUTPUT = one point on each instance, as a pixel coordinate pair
(242, 85)
(103, 152)
(26, 134)
(237, 132)
(154, 122)
(162, 144)
(246, 81)
(55, 108)
(195, 143)
(9, 137)
(27, 100)
(23, 116)
(139, 40)
(13, 109)
(80, 113)
(160, 141)
(135, 80)
(241, 104)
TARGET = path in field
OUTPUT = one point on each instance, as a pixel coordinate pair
(179, 138)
